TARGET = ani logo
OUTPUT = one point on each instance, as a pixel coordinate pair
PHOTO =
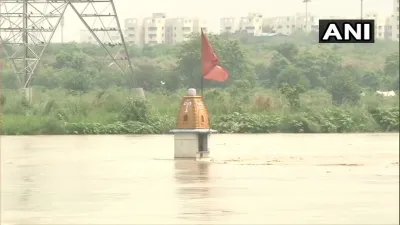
(346, 31)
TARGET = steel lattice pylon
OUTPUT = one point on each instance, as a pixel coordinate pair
(27, 27)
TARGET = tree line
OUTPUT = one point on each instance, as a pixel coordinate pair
(292, 65)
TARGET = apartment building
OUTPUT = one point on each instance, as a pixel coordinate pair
(289, 24)
(395, 20)
(256, 24)
(252, 24)
(390, 25)
(387, 28)
(281, 25)
(158, 29)
(305, 22)
(180, 29)
(134, 31)
(383, 29)
(154, 29)
(229, 25)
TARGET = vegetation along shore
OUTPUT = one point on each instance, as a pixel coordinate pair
(277, 84)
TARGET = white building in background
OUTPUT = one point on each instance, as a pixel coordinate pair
(134, 33)
(180, 29)
(154, 29)
(385, 27)
(395, 20)
(252, 24)
(289, 24)
(305, 22)
(382, 30)
(256, 24)
(229, 25)
(158, 29)
(392, 24)
(279, 25)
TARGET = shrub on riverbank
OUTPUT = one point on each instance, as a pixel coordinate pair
(276, 84)
(110, 112)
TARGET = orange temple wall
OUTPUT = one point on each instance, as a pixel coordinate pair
(193, 114)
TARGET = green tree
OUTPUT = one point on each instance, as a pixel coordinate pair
(76, 60)
(288, 50)
(261, 71)
(46, 77)
(312, 67)
(261, 61)
(293, 76)
(391, 67)
(372, 80)
(9, 79)
(276, 66)
(292, 94)
(343, 88)
(230, 53)
(75, 80)
(239, 94)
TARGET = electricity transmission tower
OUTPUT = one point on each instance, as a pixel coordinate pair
(27, 27)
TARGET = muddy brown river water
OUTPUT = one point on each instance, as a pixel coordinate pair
(252, 179)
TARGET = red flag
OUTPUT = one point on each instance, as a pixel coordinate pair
(211, 68)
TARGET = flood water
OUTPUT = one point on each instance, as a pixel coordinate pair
(252, 179)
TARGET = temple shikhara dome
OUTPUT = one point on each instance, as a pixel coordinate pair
(193, 113)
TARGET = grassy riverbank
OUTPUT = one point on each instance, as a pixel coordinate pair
(257, 111)
(276, 84)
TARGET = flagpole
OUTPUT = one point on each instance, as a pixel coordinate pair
(201, 86)
(202, 75)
